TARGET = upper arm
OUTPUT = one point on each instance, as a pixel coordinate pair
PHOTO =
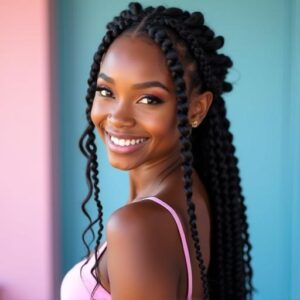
(140, 260)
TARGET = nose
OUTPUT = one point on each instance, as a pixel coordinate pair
(121, 116)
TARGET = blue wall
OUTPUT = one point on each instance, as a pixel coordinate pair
(294, 148)
(262, 37)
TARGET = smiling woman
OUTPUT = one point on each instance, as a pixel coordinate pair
(154, 98)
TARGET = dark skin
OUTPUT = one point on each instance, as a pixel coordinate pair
(144, 258)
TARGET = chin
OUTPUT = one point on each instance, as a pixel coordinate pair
(124, 166)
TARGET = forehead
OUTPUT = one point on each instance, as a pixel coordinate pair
(137, 58)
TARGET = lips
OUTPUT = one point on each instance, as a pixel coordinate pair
(122, 143)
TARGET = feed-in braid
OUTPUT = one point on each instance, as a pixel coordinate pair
(237, 248)
(161, 38)
(238, 208)
(189, 45)
(228, 207)
(89, 149)
(227, 222)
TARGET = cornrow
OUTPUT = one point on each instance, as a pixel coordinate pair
(188, 44)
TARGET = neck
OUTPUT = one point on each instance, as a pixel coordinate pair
(151, 179)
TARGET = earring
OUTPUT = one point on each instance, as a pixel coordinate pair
(194, 123)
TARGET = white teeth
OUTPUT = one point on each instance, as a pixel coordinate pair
(123, 142)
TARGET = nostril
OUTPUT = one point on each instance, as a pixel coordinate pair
(121, 120)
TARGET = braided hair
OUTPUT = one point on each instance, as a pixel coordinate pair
(189, 46)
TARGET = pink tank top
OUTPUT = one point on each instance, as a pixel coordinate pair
(74, 287)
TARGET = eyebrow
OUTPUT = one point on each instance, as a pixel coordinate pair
(141, 85)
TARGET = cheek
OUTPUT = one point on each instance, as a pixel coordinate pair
(99, 111)
(95, 113)
(162, 124)
(98, 115)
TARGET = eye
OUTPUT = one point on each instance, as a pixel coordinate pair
(104, 92)
(148, 99)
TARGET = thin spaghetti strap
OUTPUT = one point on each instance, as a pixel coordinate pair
(101, 249)
(183, 240)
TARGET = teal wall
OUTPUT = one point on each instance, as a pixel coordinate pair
(294, 148)
(262, 37)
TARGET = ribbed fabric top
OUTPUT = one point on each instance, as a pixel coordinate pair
(74, 287)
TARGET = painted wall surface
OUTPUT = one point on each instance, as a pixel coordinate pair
(262, 37)
(294, 146)
(26, 256)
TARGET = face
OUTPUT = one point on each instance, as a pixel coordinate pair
(134, 109)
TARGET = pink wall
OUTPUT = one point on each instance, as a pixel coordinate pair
(26, 208)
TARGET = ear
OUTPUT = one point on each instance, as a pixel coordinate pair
(198, 107)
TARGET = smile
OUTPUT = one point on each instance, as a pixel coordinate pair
(126, 142)
(125, 145)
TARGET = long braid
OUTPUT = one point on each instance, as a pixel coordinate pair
(176, 69)
(115, 28)
(231, 222)
(226, 199)
(89, 149)
(233, 206)
(211, 152)
(239, 210)
(211, 178)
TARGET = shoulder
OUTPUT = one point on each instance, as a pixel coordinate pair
(140, 240)
(145, 222)
(145, 212)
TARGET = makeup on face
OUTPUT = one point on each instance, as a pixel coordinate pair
(134, 108)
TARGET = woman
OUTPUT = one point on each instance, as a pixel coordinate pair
(154, 98)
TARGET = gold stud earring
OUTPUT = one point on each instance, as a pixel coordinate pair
(194, 123)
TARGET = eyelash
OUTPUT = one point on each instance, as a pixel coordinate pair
(100, 88)
(152, 98)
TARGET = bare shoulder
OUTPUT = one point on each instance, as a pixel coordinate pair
(141, 261)
(146, 222)
(147, 214)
